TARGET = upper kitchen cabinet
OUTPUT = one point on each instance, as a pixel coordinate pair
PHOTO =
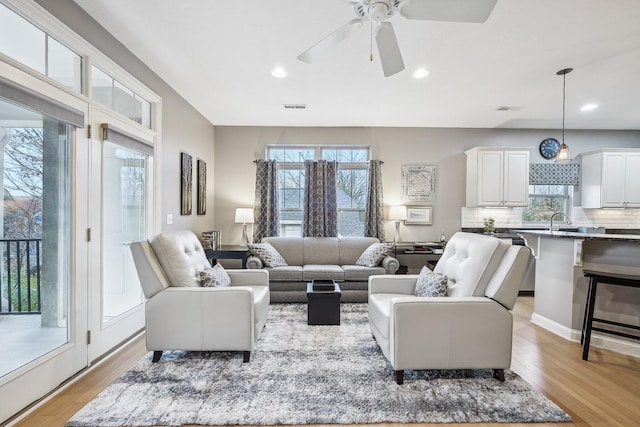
(497, 177)
(611, 179)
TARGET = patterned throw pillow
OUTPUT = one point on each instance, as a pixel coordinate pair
(431, 284)
(268, 254)
(215, 277)
(374, 254)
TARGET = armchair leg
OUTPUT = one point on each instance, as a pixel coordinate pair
(400, 376)
(499, 374)
(156, 356)
(246, 355)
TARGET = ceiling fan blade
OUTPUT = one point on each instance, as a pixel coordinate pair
(313, 53)
(449, 10)
(388, 49)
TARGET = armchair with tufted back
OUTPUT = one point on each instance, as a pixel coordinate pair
(182, 315)
(470, 328)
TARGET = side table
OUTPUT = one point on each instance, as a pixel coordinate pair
(323, 307)
(228, 252)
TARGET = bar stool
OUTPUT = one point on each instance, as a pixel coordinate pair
(596, 277)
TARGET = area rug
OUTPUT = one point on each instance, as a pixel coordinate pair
(302, 374)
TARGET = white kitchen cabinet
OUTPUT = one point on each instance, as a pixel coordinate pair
(611, 179)
(497, 177)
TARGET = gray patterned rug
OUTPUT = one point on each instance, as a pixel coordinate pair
(302, 374)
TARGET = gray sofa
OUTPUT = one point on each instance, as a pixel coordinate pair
(310, 258)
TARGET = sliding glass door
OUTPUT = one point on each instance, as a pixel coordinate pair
(43, 318)
(123, 157)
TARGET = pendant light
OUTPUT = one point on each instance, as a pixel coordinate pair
(564, 155)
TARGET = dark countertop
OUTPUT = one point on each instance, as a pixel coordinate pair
(582, 236)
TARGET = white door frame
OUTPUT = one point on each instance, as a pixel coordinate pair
(35, 379)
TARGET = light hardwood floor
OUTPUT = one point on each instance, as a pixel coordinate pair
(605, 391)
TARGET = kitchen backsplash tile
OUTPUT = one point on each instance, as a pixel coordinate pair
(512, 217)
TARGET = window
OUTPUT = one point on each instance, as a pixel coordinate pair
(351, 184)
(113, 94)
(29, 45)
(544, 200)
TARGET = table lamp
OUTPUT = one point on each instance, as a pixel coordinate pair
(397, 214)
(244, 216)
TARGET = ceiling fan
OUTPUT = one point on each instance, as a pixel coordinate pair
(378, 11)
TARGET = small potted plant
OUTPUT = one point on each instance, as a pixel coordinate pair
(489, 225)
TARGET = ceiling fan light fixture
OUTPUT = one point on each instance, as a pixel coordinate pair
(420, 73)
(378, 11)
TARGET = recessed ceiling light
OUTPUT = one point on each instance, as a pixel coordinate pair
(589, 107)
(279, 73)
(420, 73)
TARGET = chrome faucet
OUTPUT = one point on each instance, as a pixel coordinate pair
(558, 213)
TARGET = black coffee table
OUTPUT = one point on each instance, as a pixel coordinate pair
(323, 306)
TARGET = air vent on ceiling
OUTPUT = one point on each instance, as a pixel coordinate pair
(295, 106)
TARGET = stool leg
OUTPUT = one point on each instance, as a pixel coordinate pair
(591, 306)
(586, 308)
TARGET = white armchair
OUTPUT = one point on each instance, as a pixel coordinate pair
(470, 328)
(181, 315)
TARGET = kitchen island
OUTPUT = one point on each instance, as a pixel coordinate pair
(561, 289)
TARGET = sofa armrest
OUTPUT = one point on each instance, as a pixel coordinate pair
(390, 264)
(254, 263)
(179, 318)
(248, 277)
(392, 284)
(449, 333)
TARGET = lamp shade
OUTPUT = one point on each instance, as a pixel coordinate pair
(397, 213)
(244, 216)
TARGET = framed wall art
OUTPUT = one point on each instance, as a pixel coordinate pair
(418, 183)
(186, 183)
(419, 216)
(202, 188)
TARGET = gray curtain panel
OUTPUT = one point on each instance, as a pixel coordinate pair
(320, 211)
(373, 216)
(266, 211)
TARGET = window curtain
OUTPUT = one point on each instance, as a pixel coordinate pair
(266, 211)
(320, 210)
(373, 214)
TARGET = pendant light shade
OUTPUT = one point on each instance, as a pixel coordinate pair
(564, 155)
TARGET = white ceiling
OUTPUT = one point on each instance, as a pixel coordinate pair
(219, 55)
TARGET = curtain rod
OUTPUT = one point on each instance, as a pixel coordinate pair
(256, 161)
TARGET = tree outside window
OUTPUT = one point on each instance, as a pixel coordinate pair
(544, 200)
(351, 185)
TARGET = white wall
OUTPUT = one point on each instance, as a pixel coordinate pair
(237, 147)
(183, 127)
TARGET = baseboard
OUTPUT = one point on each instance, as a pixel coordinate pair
(597, 340)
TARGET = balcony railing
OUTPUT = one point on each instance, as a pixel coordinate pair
(20, 276)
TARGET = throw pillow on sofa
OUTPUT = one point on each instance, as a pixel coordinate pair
(268, 254)
(215, 277)
(374, 254)
(430, 284)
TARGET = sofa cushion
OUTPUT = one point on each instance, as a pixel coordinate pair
(215, 277)
(361, 273)
(268, 254)
(328, 272)
(352, 247)
(288, 273)
(374, 254)
(291, 248)
(321, 250)
(430, 284)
